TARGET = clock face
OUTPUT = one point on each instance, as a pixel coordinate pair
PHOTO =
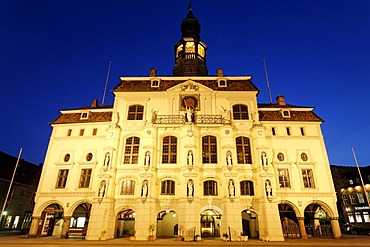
(189, 102)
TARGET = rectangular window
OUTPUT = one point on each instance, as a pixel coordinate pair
(132, 150)
(95, 131)
(366, 216)
(307, 176)
(168, 187)
(210, 188)
(246, 188)
(209, 149)
(284, 181)
(351, 219)
(288, 131)
(360, 197)
(85, 178)
(82, 132)
(273, 131)
(358, 217)
(302, 131)
(69, 132)
(169, 150)
(62, 178)
(345, 200)
(352, 197)
(128, 187)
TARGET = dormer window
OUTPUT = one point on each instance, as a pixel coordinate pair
(286, 113)
(155, 82)
(222, 82)
(84, 115)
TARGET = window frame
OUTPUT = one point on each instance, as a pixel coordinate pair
(169, 150)
(246, 188)
(283, 178)
(135, 112)
(209, 149)
(131, 151)
(243, 150)
(168, 187)
(85, 178)
(210, 188)
(308, 176)
(239, 113)
(62, 178)
(127, 187)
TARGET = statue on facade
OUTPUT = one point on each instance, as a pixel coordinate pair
(147, 159)
(106, 161)
(231, 188)
(190, 158)
(144, 189)
(264, 160)
(229, 160)
(102, 188)
(268, 188)
(190, 188)
(154, 116)
(189, 114)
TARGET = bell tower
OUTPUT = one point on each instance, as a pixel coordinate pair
(190, 50)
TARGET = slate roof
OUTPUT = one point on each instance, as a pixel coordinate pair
(295, 115)
(145, 85)
(76, 118)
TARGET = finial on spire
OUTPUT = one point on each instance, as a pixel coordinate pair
(190, 7)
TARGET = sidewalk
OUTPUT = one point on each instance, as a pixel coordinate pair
(346, 240)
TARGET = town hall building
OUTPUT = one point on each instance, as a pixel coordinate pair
(190, 155)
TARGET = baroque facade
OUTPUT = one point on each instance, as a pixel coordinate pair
(190, 155)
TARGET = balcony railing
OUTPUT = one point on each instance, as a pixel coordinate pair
(198, 119)
(169, 119)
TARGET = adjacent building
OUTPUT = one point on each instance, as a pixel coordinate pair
(191, 155)
(20, 202)
(353, 192)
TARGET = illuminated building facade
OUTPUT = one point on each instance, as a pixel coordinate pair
(190, 155)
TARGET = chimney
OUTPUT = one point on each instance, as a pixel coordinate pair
(280, 100)
(153, 72)
(219, 72)
(94, 103)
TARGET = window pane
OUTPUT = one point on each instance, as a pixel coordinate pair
(243, 150)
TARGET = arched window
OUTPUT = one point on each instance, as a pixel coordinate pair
(169, 150)
(240, 112)
(209, 149)
(246, 188)
(132, 150)
(243, 150)
(128, 187)
(135, 112)
(210, 188)
(168, 187)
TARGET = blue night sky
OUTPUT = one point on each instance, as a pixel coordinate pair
(54, 55)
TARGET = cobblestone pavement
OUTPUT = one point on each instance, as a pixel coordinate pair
(16, 240)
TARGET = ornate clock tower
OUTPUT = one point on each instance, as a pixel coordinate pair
(190, 51)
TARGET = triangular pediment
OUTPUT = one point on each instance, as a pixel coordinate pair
(189, 87)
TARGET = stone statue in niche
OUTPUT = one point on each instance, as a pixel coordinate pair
(190, 188)
(231, 188)
(190, 158)
(264, 160)
(145, 189)
(147, 159)
(189, 114)
(268, 188)
(106, 161)
(102, 188)
(154, 116)
(229, 160)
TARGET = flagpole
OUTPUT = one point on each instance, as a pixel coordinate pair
(267, 80)
(10, 186)
(106, 82)
(362, 181)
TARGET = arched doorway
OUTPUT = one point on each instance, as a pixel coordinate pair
(289, 221)
(249, 224)
(51, 221)
(210, 222)
(80, 220)
(167, 224)
(125, 225)
(317, 221)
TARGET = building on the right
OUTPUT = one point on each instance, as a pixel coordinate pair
(353, 205)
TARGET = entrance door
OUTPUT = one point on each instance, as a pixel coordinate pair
(210, 223)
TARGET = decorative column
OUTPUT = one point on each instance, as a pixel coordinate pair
(335, 227)
(65, 226)
(34, 227)
(302, 228)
